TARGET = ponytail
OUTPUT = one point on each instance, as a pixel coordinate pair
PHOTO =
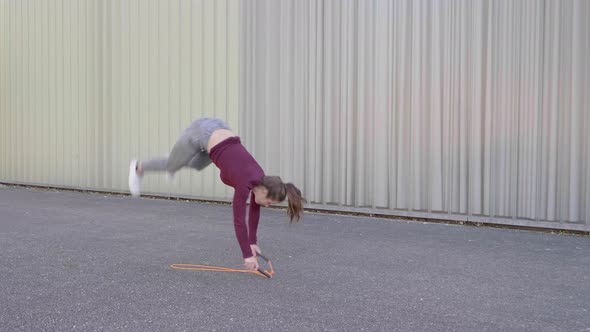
(277, 190)
(295, 209)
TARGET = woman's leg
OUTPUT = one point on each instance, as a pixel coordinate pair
(197, 135)
(200, 161)
(152, 165)
(182, 153)
(190, 150)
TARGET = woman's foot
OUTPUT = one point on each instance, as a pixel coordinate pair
(171, 178)
(135, 175)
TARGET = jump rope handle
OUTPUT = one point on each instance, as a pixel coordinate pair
(264, 273)
(261, 271)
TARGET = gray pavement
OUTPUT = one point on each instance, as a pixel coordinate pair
(72, 261)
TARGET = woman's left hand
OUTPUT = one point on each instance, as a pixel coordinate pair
(251, 263)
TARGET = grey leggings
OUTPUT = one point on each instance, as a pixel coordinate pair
(190, 150)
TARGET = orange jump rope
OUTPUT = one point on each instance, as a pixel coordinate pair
(198, 267)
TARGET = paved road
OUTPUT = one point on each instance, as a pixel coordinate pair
(73, 261)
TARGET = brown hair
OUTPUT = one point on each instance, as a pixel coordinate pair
(278, 190)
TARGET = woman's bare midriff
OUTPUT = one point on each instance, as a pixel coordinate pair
(219, 136)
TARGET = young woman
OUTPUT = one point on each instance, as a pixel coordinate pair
(210, 140)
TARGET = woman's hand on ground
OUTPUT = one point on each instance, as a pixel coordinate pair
(255, 250)
(251, 263)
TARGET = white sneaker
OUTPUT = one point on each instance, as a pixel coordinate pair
(171, 178)
(134, 179)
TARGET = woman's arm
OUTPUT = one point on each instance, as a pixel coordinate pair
(239, 207)
(253, 217)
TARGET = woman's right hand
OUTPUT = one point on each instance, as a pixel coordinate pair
(251, 263)
(255, 249)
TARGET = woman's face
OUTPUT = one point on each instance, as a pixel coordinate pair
(260, 197)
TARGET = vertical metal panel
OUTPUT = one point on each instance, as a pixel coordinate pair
(88, 85)
(4, 89)
(449, 109)
(452, 109)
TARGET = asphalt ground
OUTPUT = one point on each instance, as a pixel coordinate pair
(73, 261)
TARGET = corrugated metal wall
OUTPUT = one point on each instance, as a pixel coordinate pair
(465, 109)
(87, 85)
(462, 109)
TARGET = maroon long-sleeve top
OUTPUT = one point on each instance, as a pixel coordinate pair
(240, 171)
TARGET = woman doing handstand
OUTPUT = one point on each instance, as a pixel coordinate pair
(210, 140)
